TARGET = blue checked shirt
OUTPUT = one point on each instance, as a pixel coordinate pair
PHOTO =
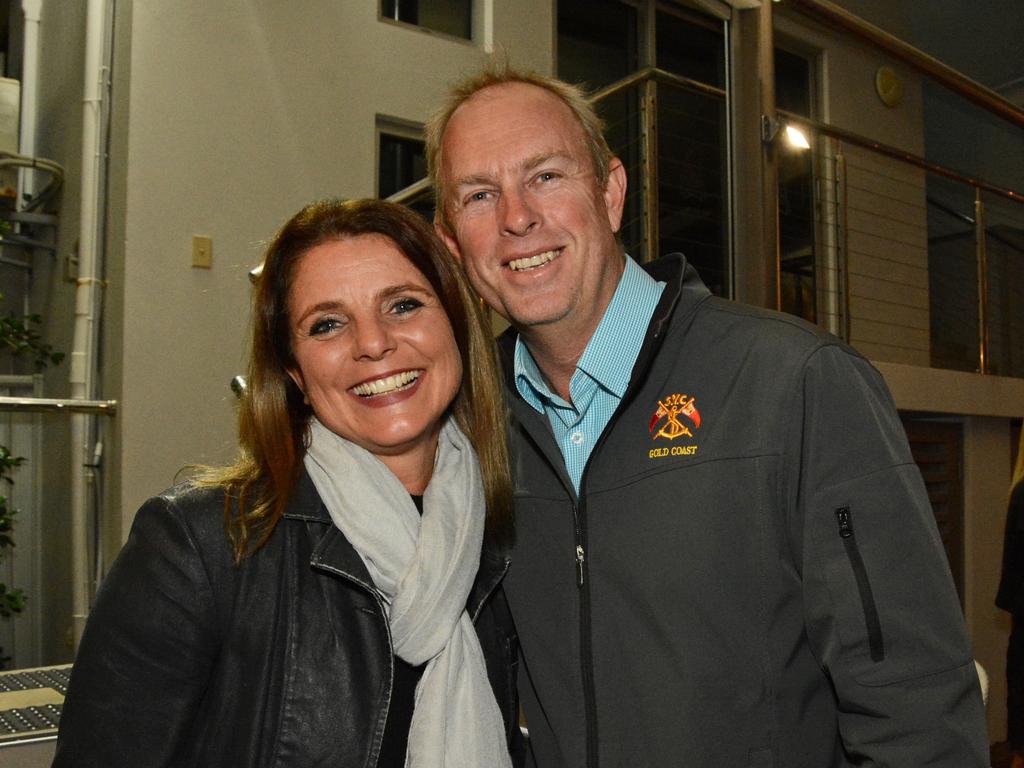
(602, 373)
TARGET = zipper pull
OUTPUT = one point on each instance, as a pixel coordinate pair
(579, 565)
(845, 522)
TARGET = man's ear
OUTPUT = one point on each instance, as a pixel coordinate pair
(447, 238)
(615, 193)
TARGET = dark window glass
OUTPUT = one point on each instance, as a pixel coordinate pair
(797, 228)
(402, 161)
(596, 41)
(792, 83)
(597, 45)
(691, 48)
(692, 154)
(452, 17)
(692, 182)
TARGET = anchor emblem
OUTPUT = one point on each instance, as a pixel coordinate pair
(670, 409)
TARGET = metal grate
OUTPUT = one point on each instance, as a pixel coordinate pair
(31, 702)
(30, 719)
(54, 677)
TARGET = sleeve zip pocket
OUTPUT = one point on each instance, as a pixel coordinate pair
(874, 627)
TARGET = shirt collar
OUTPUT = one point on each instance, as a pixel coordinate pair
(611, 351)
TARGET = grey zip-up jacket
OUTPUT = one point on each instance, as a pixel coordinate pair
(751, 575)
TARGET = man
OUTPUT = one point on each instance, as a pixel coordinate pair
(725, 555)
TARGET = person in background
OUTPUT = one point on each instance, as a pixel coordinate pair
(725, 555)
(1010, 597)
(333, 597)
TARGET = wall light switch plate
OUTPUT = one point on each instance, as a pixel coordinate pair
(202, 252)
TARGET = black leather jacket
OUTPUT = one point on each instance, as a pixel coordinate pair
(285, 660)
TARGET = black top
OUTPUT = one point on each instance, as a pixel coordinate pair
(1011, 584)
(403, 697)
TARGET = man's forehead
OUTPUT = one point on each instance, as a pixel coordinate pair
(512, 100)
(514, 103)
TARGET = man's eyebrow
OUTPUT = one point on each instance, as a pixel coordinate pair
(477, 178)
(538, 160)
(530, 164)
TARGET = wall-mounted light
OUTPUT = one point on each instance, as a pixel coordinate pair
(795, 138)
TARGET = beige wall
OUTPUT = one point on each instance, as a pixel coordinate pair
(239, 114)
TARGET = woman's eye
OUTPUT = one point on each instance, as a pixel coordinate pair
(325, 325)
(402, 306)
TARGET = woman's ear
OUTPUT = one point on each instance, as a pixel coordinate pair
(296, 377)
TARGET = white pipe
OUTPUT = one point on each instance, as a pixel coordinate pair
(33, 12)
(83, 351)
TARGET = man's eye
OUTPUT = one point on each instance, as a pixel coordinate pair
(477, 197)
(402, 306)
(325, 325)
(547, 176)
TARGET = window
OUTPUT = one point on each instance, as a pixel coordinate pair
(693, 147)
(401, 161)
(602, 41)
(450, 17)
(797, 252)
(597, 45)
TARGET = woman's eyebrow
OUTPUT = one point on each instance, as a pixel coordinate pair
(394, 290)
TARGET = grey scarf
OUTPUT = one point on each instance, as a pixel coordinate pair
(424, 569)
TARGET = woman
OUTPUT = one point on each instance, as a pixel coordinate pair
(1011, 598)
(294, 609)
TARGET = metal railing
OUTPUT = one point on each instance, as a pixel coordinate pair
(907, 260)
(932, 260)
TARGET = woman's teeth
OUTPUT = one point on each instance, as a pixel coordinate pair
(387, 384)
(529, 262)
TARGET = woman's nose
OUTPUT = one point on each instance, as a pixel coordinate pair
(372, 339)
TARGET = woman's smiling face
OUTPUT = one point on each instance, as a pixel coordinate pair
(374, 351)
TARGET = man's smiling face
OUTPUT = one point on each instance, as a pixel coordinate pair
(529, 220)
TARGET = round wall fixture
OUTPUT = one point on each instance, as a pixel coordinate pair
(888, 86)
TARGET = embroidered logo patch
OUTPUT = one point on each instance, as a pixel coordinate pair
(675, 415)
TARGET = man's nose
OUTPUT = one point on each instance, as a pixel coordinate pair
(518, 216)
(372, 339)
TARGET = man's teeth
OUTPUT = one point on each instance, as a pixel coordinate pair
(387, 384)
(530, 262)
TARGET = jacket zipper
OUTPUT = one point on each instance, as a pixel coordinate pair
(586, 629)
(867, 598)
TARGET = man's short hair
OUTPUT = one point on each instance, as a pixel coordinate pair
(502, 74)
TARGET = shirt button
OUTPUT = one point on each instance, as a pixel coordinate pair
(577, 438)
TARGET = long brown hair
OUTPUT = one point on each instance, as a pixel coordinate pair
(273, 416)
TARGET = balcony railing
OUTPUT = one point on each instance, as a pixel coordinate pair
(908, 261)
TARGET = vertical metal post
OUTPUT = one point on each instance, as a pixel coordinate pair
(842, 240)
(979, 248)
(649, 147)
(770, 164)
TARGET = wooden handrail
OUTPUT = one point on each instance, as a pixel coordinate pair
(832, 15)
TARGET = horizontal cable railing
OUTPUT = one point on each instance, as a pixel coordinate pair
(908, 260)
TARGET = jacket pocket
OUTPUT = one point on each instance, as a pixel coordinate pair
(879, 601)
(873, 625)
